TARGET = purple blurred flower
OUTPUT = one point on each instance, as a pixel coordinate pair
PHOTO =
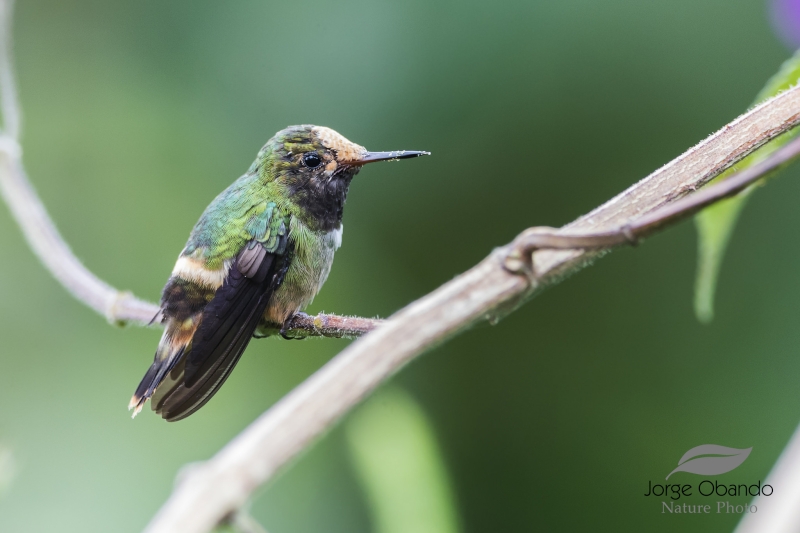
(785, 15)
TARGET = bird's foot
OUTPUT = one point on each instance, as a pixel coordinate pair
(287, 325)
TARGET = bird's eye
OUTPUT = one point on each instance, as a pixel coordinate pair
(312, 160)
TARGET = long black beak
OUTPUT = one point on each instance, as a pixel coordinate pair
(372, 157)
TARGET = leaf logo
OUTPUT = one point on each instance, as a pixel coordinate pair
(711, 460)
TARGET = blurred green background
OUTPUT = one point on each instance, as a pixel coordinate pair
(138, 113)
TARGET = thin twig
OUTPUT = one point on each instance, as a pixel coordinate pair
(487, 291)
(519, 259)
(119, 307)
(323, 325)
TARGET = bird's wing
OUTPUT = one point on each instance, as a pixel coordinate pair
(227, 323)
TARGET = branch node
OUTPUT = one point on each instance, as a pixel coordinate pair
(519, 259)
(112, 312)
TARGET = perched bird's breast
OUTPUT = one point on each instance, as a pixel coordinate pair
(310, 266)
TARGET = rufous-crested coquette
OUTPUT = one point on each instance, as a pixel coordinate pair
(259, 254)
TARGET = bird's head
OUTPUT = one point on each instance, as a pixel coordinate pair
(316, 165)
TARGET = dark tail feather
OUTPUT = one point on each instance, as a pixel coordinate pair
(152, 379)
(181, 396)
(183, 383)
(225, 330)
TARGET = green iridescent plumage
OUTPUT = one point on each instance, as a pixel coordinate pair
(259, 254)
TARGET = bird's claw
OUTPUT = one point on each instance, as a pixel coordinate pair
(287, 325)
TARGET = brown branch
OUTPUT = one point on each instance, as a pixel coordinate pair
(519, 258)
(487, 291)
(119, 307)
(323, 325)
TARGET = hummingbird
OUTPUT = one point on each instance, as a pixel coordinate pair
(259, 254)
